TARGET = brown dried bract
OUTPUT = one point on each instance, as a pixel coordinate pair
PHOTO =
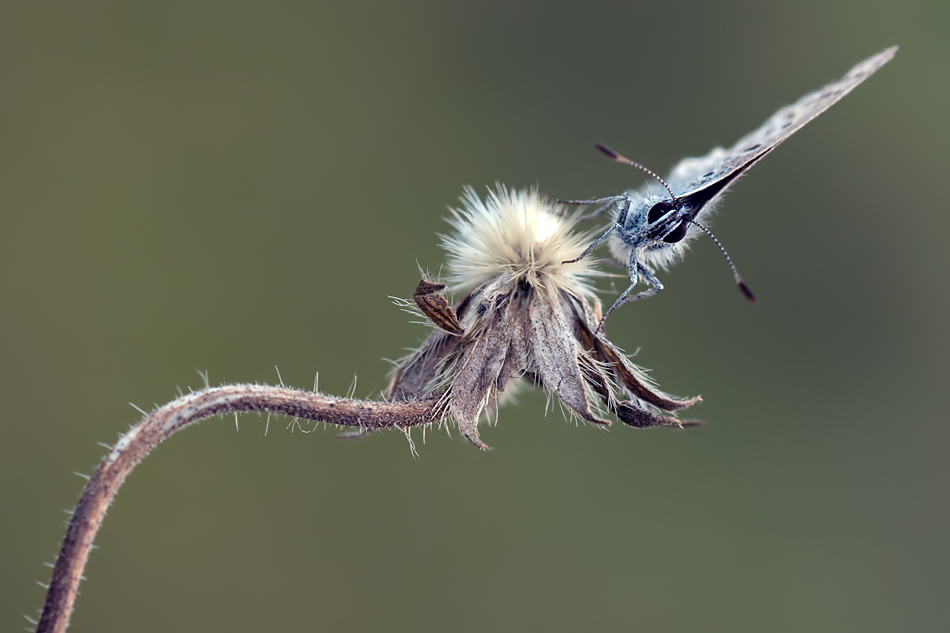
(435, 307)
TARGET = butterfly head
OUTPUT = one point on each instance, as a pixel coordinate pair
(657, 227)
(666, 221)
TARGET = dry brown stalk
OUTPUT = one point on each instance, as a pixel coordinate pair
(171, 418)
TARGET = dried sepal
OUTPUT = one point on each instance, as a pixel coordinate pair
(422, 371)
(480, 358)
(557, 356)
(628, 375)
(636, 416)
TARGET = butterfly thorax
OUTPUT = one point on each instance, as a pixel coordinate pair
(655, 227)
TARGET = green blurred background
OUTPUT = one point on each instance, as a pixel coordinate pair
(234, 186)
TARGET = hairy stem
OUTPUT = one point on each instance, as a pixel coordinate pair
(176, 415)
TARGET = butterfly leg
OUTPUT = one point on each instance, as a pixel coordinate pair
(637, 269)
(624, 201)
(594, 244)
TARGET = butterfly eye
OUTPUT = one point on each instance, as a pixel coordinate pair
(677, 234)
(658, 211)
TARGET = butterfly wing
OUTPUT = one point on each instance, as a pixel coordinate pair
(697, 181)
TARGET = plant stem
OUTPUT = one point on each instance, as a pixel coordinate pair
(176, 415)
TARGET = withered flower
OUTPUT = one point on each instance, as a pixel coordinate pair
(523, 314)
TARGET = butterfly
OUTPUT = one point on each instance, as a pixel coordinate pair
(652, 227)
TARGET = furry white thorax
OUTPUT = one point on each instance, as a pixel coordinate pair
(516, 235)
(654, 253)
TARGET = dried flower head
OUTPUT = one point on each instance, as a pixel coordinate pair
(523, 314)
(514, 236)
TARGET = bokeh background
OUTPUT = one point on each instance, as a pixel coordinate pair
(233, 186)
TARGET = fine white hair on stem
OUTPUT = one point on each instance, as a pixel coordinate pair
(517, 235)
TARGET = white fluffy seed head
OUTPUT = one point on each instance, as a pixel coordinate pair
(517, 235)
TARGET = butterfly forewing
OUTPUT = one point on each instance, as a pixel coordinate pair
(699, 180)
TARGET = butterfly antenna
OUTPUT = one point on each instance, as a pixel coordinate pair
(735, 273)
(626, 161)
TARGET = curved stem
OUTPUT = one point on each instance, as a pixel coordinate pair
(176, 415)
